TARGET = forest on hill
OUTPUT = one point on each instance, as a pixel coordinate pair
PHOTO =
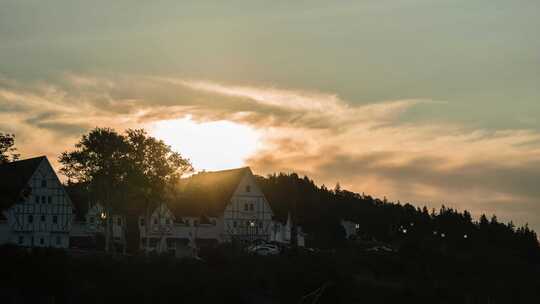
(319, 211)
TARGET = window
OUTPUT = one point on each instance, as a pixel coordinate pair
(43, 217)
(155, 221)
(43, 183)
(248, 188)
(142, 222)
(41, 241)
(260, 224)
(92, 219)
(245, 207)
(43, 199)
(119, 222)
(55, 219)
(49, 199)
(58, 240)
(251, 207)
(234, 224)
(21, 240)
(167, 221)
(37, 199)
(30, 219)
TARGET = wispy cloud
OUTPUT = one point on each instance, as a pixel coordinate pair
(365, 147)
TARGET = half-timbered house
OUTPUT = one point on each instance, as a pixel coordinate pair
(36, 210)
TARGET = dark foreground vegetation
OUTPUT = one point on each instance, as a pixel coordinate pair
(346, 275)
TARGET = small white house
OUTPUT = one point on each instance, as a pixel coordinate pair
(36, 210)
(282, 233)
(351, 228)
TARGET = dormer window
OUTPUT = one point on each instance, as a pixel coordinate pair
(248, 188)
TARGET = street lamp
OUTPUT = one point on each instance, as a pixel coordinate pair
(250, 226)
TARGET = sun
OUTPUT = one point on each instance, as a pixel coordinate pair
(210, 146)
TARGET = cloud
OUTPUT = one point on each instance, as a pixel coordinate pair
(367, 148)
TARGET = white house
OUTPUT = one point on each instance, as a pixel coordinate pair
(232, 200)
(213, 207)
(84, 233)
(36, 210)
(282, 233)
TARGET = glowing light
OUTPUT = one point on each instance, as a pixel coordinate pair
(209, 145)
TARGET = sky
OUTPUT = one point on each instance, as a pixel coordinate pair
(421, 101)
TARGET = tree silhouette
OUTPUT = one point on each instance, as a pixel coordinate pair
(7, 149)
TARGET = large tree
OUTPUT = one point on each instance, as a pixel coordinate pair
(127, 173)
(7, 149)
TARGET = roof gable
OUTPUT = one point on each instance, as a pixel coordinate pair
(208, 193)
(14, 178)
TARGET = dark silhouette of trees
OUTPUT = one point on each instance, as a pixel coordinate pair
(7, 148)
(319, 211)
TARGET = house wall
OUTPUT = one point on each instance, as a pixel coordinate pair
(248, 215)
(43, 218)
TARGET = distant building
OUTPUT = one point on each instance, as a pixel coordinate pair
(351, 228)
(35, 209)
(282, 233)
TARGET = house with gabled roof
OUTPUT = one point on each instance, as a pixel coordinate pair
(233, 198)
(35, 209)
(212, 207)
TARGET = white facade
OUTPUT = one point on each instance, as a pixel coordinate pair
(282, 233)
(42, 217)
(351, 228)
(248, 215)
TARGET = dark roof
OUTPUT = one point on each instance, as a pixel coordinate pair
(14, 177)
(207, 193)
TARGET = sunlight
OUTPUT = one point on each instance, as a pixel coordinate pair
(210, 146)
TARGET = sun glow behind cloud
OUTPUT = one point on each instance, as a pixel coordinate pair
(210, 146)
